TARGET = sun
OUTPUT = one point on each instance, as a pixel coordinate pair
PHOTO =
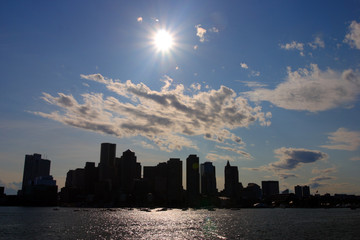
(163, 40)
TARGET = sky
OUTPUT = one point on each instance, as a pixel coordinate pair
(270, 86)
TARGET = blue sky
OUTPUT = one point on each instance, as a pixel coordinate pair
(273, 87)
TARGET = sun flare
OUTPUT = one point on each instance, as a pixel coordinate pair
(163, 40)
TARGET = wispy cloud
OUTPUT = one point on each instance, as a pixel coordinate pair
(236, 150)
(343, 139)
(312, 90)
(294, 46)
(353, 37)
(317, 43)
(217, 157)
(139, 19)
(167, 117)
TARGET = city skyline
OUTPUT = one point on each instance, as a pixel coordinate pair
(271, 87)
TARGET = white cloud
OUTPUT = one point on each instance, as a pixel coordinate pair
(236, 150)
(353, 37)
(196, 47)
(318, 42)
(139, 19)
(196, 86)
(216, 157)
(214, 29)
(200, 32)
(167, 117)
(312, 90)
(244, 65)
(294, 46)
(343, 139)
(252, 84)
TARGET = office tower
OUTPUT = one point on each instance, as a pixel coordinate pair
(127, 171)
(270, 188)
(252, 192)
(34, 167)
(174, 180)
(298, 191)
(107, 162)
(231, 180)
(302, 191)
(192, 176)
(306, 191)
(208, 179)
(91, 177)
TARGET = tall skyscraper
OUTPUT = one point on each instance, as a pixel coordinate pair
(231, 180)
(174, 180)
(107, 162)
(270, 188)
(127, 171)
(34, 167)
(192, 176)
(208, 179)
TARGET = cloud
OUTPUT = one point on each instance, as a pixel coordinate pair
(353, 37)
(196, 86)
(216, 157)
(139, 19)
(252, 84)
(196, 47)
(12, 187)
(168, 117)
(312, 90)
(291, 158)
(236, 150)
(287, 175)
(294, 46)
(318, 42)
(324, 171)
(355, 159)
(244, 65)
(200, 32)
(214, 29)
(343, 139)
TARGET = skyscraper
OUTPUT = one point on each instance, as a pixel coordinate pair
(127, 170)
(231, 180)
(270, 188)
(208, 179)
(174, 180)
(34, 167)
(192, 176)
(107, 161)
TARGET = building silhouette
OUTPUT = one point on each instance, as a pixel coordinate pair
(128, 169)
(232, 185)
(269, 188)
(192, 177)
(208, 179)
(34, 166)
(38, 186)
(302, 191)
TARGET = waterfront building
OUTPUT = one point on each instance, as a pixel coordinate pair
(192, 176)
(107, 162)
(34, 167)
(270, 188)
(208, 179)
(302, 191)
(231, 181)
